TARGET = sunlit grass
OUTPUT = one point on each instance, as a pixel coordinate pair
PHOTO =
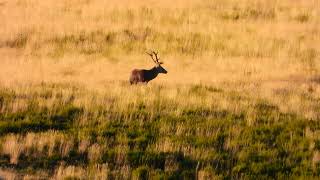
(240, 101)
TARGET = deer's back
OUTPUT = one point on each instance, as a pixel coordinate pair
(137, 75)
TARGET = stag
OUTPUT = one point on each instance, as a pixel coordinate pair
(143, 75)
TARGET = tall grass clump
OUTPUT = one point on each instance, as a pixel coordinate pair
(157, 136)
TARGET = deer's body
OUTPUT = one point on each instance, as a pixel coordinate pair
(143, 75)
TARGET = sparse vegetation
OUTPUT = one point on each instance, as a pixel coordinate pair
(241, 99)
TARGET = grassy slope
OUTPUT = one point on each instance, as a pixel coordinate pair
(241, 99)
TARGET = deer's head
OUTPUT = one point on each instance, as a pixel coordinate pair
(158, 67)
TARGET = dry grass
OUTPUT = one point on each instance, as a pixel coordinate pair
(225, 55)
(94, 42)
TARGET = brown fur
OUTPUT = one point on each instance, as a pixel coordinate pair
(143, 75)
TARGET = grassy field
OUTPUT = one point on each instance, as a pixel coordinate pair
(241, 99)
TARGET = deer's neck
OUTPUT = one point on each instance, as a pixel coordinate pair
(153, 73)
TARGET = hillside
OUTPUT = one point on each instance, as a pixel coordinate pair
(241, 99)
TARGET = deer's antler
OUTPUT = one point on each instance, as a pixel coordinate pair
(151, 55)
(156, 60)
(156, 56)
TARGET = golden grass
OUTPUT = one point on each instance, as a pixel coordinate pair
(261, 49)
(254, 47)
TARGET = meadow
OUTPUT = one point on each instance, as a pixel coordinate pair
(241, 99)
